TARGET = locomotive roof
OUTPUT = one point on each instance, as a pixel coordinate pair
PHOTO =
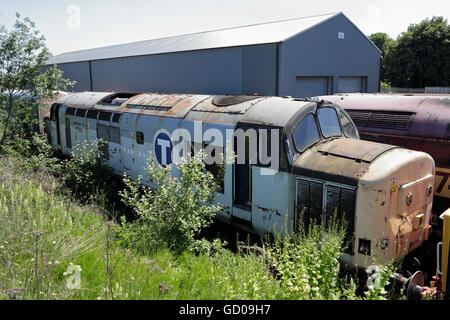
(263, 110)
(415, 115)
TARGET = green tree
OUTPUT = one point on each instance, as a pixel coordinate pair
(23, 76)
(384, 43)
(420, 56)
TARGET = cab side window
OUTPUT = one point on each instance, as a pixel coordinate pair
(347, 126)
(102, 132)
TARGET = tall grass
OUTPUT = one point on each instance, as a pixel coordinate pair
(44, 235)
(38, 232)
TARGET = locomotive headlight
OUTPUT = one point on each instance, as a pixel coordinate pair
(429, 189)
(383, 243)
(409, 198)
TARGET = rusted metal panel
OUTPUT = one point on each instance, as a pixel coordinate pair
(44, 108)
(175, 106)
(83, 99)
(354, 149)
(260, 110)
(207, 111)
(276, 111)
(238, 108)
(347, 161)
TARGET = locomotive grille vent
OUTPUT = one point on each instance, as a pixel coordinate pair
(319, 200)
(381, 119)
(225, 101)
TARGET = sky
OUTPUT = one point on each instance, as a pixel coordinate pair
(70, 25)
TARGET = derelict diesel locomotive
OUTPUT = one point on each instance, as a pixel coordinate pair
(384, 191)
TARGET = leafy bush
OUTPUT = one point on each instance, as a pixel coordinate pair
(84, 173)
(36, 152)
(175, 211)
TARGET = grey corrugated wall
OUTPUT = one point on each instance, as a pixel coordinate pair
(259, 69)
(239, 70)
(78, 71)
(319, 52)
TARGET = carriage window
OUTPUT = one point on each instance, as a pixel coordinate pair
(102, 132)
(114, 135)
(347, 126)
(80, 113)
(140, 137)
(306, 133)
(70, 111)
(106, 116)
(53, 112)
(68, 134)
(116, 117)
(329, 123)
(92, 114)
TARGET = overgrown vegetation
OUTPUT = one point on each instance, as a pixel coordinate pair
(86, 175)
(308, 261)
(175, 210)
(50, 235)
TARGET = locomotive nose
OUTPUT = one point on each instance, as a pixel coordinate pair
(391, 206)
(399, 187)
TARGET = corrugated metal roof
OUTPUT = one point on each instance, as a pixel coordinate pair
(270, 32)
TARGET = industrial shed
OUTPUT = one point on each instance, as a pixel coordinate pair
(301, 57)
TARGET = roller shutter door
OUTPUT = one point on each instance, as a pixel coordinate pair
(311, 86)
(349, 84)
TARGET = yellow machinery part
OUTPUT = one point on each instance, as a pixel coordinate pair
(445, 250)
